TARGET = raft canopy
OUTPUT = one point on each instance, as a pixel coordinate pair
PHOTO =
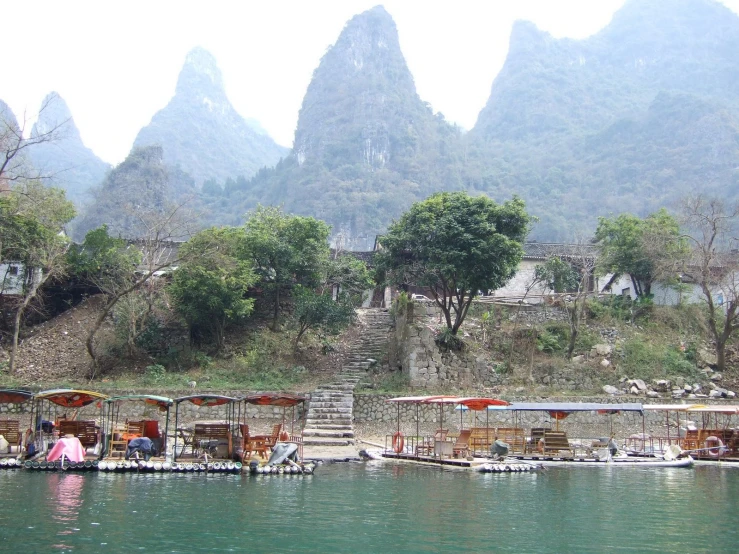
(718, 409)
(70, 398)
(561, 408)
(672, 407)
(161, 401)
(282, 399)
(207, 399)
(14, 396)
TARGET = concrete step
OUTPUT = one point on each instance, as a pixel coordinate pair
(329, 426)
(330, 404)
(328, 433)
(330, 410)
(322, 421)
(318, 441)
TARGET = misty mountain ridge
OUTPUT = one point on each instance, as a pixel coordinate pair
(66, 161)
(200, 131)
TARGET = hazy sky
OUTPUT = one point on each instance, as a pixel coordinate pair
(116, 62)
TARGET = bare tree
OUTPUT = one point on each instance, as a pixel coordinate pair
(571, 277)
(713, 265)
(15, 140)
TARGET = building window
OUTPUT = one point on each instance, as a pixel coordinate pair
(13, 270)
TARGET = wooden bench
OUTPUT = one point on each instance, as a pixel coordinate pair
(556, 442)
(204, 433)
(85, 431)
(10, 429)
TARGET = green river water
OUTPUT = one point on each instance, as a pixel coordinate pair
(374, 507)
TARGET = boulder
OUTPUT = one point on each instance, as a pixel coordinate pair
(706, 358)
(715, 393)
(604, 363)
(678, 393)
(610, 389)
(602, 349)
(641, 385)
(716, 377)
(653, 394)
(697, 387)
(688, 388)
(634, 390)
(579, 359)
(730, 394)
(661, 385)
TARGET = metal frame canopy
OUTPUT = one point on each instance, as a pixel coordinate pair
(469, 402)
(560, 410)
(161, 402)
(70, 398)
(203, 400)
(15, 396)
(574, 407)
(284, 400)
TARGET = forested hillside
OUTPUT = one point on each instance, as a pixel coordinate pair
(366, 146)
(639, 114)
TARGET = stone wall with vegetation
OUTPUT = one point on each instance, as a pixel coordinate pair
(427, 366)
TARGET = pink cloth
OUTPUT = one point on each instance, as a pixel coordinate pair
(71, 448)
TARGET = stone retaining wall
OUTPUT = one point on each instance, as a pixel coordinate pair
(427, 367)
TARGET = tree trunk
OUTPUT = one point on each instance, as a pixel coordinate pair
(574, 328)
(276, 313)
(17, 321)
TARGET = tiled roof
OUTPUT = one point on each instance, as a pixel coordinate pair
(544, 250)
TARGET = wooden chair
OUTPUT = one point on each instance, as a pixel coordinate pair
(251, 445)
(427, 447)
(555, 442)
(10, 429)
(206, 434)
(131, 430)
(271, 439)
(461, 447)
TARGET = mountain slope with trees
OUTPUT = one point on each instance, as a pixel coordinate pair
(626, 120)
(366, 146)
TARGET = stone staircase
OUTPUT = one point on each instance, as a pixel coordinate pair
(329, 418)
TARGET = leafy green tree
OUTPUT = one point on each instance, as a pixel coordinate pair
(285, 250)
(101, 258)
(456, 245)
(557, 274)
(210, 290)
(638, 247)
(314, 310)
(350, 276)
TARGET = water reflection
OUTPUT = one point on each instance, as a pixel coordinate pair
(64, 502)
